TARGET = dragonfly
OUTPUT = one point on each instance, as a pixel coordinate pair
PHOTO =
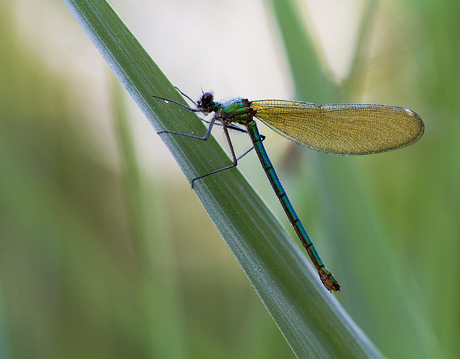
(338, 129)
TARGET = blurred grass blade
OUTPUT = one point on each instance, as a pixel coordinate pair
(349, 214)
(312, 80)
(354, 81)
(161, 309)
(310, 318)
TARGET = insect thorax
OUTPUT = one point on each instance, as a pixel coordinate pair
(236, 111)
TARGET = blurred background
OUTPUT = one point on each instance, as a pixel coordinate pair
(71, 221)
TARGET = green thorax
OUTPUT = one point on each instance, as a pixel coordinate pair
(234, 111)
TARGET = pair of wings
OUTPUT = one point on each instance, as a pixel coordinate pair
(348, 129)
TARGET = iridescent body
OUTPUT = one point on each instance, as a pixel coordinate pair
(334, 129)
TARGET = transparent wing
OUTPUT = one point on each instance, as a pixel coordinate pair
(348, 129)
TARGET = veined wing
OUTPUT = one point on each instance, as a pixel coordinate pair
(342, 129)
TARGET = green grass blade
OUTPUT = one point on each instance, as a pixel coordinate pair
(352, 219)
(312, 81)
(309, 317)
(354, 81)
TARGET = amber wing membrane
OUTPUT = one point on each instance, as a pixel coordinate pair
(347, 129)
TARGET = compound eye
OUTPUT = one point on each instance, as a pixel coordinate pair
(207, 98)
